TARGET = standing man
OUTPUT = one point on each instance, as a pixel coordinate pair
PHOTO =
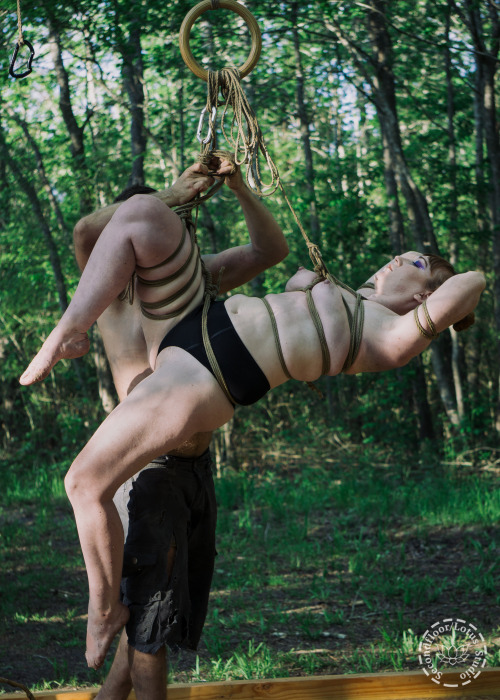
(168, 510)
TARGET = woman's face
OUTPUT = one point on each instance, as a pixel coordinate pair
(404, 272)
(400, 284)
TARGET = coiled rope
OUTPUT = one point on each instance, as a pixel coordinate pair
(241, 130)
(244, 137)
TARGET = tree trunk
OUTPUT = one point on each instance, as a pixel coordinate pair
(493, 150)
(486, 58)
(384, 96)
(360, 132)
(75, 131)
(54, 204)
(482, 225)
(30, 192)
(379, 86)
(133, 81)
(303, 116)
(441, 364)
(396, 225)
(457, 359)
(421, 403)
(340, 185)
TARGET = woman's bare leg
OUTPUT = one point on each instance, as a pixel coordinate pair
(144, 232)
(179, 399)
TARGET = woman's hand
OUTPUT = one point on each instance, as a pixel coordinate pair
(223, 167)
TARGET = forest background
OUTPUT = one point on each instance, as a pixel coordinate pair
(381, 118)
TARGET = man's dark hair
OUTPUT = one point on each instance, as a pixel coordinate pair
(130, 191)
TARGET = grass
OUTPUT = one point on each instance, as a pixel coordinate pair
(334, 565)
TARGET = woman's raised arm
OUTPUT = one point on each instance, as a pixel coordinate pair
(450, 303)
(453, 300)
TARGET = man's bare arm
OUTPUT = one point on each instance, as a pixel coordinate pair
(267, 245)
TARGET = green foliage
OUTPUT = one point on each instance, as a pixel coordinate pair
(256, 661)
(53, 421)
(337, 562)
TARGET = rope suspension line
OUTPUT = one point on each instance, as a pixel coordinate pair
(243, 133)
(21, 41)
(244, 136)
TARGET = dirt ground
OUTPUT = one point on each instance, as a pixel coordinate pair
(43, 617)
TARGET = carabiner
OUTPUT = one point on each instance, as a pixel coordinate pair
(211, 122)
(28, 70)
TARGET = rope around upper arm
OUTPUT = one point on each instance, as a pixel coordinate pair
(432, 333)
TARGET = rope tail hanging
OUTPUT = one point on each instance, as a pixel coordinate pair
(22, 687)
(243, 133)
(245, 137)
(21, 41)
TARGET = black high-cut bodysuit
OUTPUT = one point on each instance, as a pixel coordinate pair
(245, 380)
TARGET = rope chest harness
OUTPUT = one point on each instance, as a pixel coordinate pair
(245, 137)
(355, 322)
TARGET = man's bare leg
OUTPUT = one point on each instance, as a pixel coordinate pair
(149, 674)
(146, 673)
(118, 682)
(144, 232)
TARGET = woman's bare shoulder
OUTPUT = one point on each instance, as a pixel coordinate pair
(388, 340)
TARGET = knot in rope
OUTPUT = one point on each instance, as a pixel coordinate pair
(318, 262)
(207, 158)
(227, 79)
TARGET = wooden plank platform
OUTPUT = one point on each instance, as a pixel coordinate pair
(411, 685)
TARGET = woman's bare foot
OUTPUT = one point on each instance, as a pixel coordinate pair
(59, 345)
(101, 630)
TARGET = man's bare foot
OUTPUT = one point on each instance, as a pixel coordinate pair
(59, 345)
(101, 630)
